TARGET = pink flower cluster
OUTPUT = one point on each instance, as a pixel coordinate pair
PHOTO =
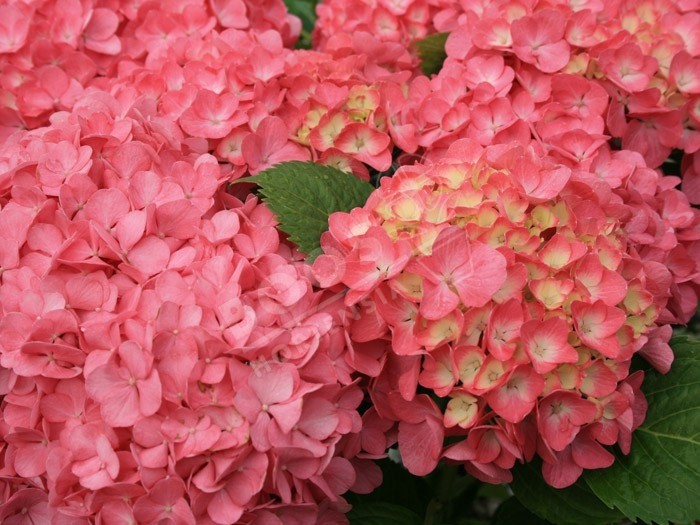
(517, 291)
(220, 71)
(164, 355)
(645, 55)
(400, 21)
(51, 51)
(167, 356)
(573, 76)
(384, 29)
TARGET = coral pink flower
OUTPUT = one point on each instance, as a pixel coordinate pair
(127, 387)
(539, 39)
(190, 433)
(551, 320)
(439, 371)
(545, 343)
(504, 329)
(488, 454)
(458, 271)
(323, 135)
(462, 410)
(628, 67)
(539, 182)
(657, 351)
(151, 449)
(166, 354)
(578, 95)
(583, 453)
(599, 380)
(99, 33)
(212, 115)
(272, 392)
(116, 512)
(601, 283)
(420, 434)
(228, 503)
(685, 73)
(231, 13)
(373, 261)
(28, 506)
(402, 315)
(597, 325)
(165, 502)
(270, 145)
(490, 70)
(53, 90)
(561, 415)
(487, 120)
(66, 402)
(54, 360)
(559, 252)
(95, 462)
(14, 28)
(29, 451)
(60, 162)
(366, 144)
(516, 398)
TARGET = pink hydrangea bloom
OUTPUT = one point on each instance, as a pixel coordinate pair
(171, 344)
(526, 294)
(165, 353)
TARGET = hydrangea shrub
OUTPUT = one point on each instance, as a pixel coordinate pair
(442, 249)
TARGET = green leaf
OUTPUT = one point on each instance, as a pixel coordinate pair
(451, 482)
(302, 195)
(512, 511)
(454, 493)
(376, 513)
(305, 10)
(575, 505)
(399, 487)
(660, 479)
(431, 51)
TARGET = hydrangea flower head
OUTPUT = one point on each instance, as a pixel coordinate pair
(164, 354)
(512, 288)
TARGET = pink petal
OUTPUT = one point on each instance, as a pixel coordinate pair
(287, 415)
(222, 509)
(588, 454)
(481, 277)
(150, 394)
(420, 445)
(438, 300)
(150, 256)
(319, 418)
(273, 382)
(563, 473)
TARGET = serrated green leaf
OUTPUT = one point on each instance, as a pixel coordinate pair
(575, 505)
(660, 479)
(511, 511)
(302, 195)
(431, 51)
(376, 513)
